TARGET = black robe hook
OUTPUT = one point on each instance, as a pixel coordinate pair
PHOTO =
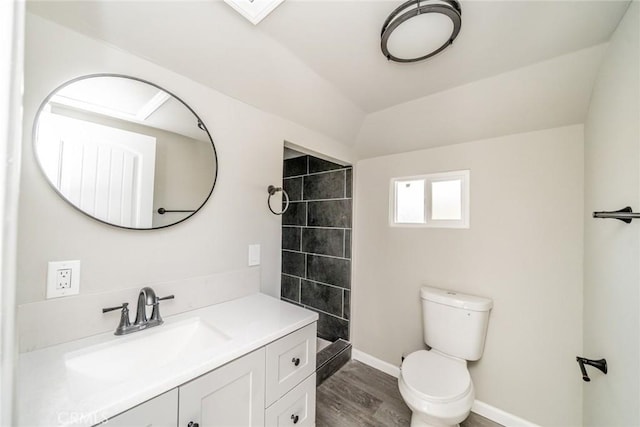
(598, 364)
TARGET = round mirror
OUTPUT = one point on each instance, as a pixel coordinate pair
(125, 151)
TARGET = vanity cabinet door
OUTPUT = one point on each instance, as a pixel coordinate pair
(230, 396)
(161, 411)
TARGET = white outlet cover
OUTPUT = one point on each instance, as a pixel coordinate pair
(254, 255)
(52, 273)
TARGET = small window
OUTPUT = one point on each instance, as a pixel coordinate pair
(410, 201)
(434, 200)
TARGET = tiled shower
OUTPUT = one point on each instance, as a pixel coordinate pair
(316, 241)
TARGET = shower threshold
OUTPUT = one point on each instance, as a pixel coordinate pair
(330, 357)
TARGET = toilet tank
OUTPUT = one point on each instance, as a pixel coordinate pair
(454, 323)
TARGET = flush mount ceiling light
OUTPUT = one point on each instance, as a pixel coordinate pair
(254, 10)
(419, 29)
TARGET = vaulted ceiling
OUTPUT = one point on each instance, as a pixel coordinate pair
(319, 62)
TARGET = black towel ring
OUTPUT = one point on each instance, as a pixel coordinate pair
(273, 190)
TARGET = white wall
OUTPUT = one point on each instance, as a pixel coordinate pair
(612, 248)
(524, 250)
(249, 143)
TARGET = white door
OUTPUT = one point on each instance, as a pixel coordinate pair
(106, 172)
(230, 396)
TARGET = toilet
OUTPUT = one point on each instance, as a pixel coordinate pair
(436, 384)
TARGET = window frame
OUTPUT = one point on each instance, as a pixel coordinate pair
(465, 188)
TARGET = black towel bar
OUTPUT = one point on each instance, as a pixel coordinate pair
(624, 214)
(163, 211)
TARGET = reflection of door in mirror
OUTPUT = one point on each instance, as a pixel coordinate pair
(109, 175)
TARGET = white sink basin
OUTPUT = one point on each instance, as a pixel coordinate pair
(144, 351)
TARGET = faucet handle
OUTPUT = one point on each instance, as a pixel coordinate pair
(123, 306)
(155, 314)
(125, 323)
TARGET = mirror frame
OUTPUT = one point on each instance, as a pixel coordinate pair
(200, 124)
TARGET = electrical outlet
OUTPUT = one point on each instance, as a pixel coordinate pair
(63, 278)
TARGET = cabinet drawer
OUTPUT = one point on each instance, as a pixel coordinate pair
(290, 360)
(296, 408)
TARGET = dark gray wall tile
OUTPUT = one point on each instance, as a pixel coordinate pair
(321, 297)
(334, 271)
(319, 165)
(293, 263)
(331, 328)
(329, 185)
(324, 241)
(332, 213)
(293, 187)
(290, 288)
(347, 305)
(296, 214)
(296, 166)
(291, 238)
(301, 232)
(347, 243)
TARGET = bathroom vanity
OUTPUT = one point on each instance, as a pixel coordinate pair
(249, 361)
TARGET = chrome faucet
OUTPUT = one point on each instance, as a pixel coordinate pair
(146, 297)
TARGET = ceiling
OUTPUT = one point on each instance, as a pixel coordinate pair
(319, 62)
(340, 41)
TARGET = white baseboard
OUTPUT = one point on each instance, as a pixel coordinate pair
(494, 414)
(499, 416)
(374, 362)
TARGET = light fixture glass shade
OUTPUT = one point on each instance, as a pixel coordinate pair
(419, 29)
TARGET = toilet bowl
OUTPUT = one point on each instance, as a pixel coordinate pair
(436, 384)
(438, 389)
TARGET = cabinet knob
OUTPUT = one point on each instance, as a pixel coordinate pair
(296, 361)
(192, 424)
(295, 419)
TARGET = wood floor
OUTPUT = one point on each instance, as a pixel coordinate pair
(360, 396)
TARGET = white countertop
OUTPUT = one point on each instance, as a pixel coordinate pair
(50, 395)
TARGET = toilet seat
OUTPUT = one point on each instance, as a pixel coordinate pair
(436, 378)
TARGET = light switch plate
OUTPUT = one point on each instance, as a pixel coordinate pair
(63, 278)
(254, 255)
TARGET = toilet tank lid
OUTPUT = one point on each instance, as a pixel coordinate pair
(456, 299)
